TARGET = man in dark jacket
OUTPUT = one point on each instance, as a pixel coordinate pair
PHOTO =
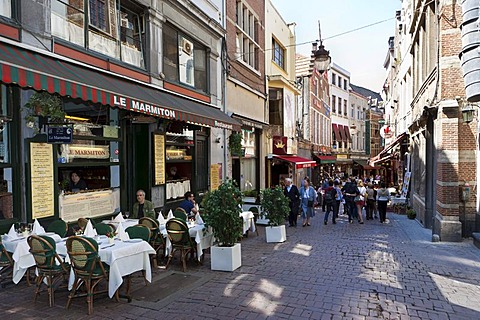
(291, 192)
(350, 190)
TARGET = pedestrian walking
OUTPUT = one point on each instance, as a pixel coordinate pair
(329, 199)
(383, 196)
(293, 195)
(371, 207)
(360, 200)
(350, 191)
(338, 198)
(307, 198)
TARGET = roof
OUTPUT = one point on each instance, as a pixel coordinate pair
(366, 92)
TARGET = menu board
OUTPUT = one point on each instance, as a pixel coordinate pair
(42, 180)
(159, 158)
(215, 176)
(88, 204)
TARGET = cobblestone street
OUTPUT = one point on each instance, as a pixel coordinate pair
(342, 271)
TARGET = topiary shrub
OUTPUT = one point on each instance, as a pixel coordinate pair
(275, 206)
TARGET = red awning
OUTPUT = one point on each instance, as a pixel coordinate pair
(347, 133)
(341, 132)
(298, 161)
(30, 69)
(326, 159)
(383, 154)
(335, 132)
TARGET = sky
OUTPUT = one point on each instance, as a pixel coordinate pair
(361, 52)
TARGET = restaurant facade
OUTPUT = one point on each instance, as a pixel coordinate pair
(139, 88)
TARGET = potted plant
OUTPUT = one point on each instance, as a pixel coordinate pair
(44, 106)
(235, 144)
(411, 213)
(275, 206)
(250, 196)
(223, 208)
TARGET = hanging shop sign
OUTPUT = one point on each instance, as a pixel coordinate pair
(59, 133)
(386, 132)
(280, 145)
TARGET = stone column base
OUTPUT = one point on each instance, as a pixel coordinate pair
(448, 228)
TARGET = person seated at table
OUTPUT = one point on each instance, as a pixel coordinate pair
(76, 182)
(174, 175)
(188, 204)
(143, 208)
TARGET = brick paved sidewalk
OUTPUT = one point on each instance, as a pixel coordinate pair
(342, 271)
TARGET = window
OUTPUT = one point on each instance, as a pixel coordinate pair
(6, 8)
(345, 84)
(334, 76)
(184, 61)
(334, 104)
(352, 114)
(112, 28)
(339, 81)
(345, 106)
(247, 36)
(278, 54)
(339, 105)
(275, 107)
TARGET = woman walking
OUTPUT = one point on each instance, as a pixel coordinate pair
(360, 200)
(383, 196)
(307, 196)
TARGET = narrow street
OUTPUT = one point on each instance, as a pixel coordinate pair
(342, 271)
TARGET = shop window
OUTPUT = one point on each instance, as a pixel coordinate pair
(93, 153)
(184, 60)
(6, 173)
(114, 28)
(275, 106)
(6, 8)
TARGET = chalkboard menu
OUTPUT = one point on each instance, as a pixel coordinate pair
(42, 180)
(159, 158)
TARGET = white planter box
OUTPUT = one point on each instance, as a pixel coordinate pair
(226, 258)
(249, 200)
(276, 234)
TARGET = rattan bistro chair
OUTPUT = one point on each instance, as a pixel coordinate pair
(180, 213)
(177, 232)
(88, 268)
(156, 238)
(103, 228)
(139, 231)
(6, 265)
(60, 227)
(50, 267)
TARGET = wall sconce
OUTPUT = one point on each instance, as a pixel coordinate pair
(468, 112)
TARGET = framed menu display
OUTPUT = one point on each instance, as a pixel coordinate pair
(159, 159)
(215, 175)
(89, 204)
(42, 180)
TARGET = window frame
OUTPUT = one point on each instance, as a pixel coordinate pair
(278, 49)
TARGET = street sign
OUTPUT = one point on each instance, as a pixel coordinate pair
(59, 133)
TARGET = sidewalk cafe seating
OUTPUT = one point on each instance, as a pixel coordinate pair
(156, 238)
(103, 228)
(256, 214)
(60, 227)
(50, 266)
(180, 214)
(138, 231)
(6, 265)
(178, 234)
(88, 269)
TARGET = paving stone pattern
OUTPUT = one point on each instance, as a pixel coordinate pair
(342, 271)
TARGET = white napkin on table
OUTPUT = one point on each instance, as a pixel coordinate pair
(170, 215)
(121, 233)
(161, 219)
(37, 228)
(119, 218)
(198, 219)
(89, 231)
(12, 234)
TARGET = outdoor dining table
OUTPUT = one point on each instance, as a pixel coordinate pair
(123, 257)
(203, 237)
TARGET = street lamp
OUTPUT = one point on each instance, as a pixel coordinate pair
(321, 56)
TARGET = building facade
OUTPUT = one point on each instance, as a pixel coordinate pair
(139, 85)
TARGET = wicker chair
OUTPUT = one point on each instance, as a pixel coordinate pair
(50, 266)
(60, 227)
(88, 268)
(180, 213)
(103, 228)
(139, 231)
(156, 240)
(177, 232)
(6, 265)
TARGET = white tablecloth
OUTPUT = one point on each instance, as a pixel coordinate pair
(123, 258)
(248, 223)
(395, 200)
(203, 238)
(127, 223)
